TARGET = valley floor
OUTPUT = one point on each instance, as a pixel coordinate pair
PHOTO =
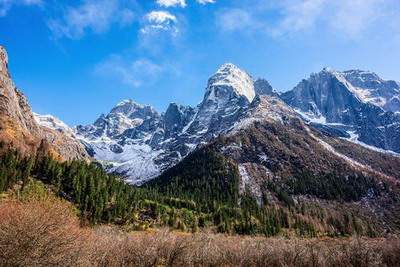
(47, 232)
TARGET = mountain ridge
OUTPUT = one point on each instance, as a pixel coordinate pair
(328, 98)
(173, 134)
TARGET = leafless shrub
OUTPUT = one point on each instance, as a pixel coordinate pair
(391, 252)
(39, 233)
(47, 233)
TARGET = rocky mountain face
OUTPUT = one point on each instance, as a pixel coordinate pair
(19, 128)
(263, 87)
(356, 103)
(284, 161)
(373, 89)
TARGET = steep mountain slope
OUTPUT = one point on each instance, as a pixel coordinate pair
(373, 89)
(19, 129)
(356, 102)
(283, 161)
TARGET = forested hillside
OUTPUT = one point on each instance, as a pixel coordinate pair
(201, 192)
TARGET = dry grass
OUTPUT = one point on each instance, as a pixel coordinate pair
(47, 233)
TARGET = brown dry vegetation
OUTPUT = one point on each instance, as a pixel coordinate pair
(46, 232)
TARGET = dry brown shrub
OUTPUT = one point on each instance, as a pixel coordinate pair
(47, 233)
(40, 233)
(113, 248)
(391, 252)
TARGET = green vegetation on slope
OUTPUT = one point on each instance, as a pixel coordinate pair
(200, 192)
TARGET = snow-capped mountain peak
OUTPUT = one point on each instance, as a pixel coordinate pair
(353, 101)
(230, 78)
(373, 89)
(134, 110)
(138, 142)
(54, 123)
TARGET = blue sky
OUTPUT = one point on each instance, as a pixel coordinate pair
(76, 59)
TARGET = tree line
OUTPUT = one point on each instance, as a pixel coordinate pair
(202, 192)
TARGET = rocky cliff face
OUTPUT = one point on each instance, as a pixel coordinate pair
(18, 127)
(373, 89)
(263, 87)
(360, 103)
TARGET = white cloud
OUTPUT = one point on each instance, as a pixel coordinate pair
(354, 17)
(351, 19)
(204, 2)
(92, 15)
(181, 3)
(129, 72)
(236, 19)
(301, 15)
(157, 21)
(160, 17)
(171, 3)
(6, 5)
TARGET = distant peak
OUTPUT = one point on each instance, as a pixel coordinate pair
(329, 69)
(231, 76)
(363, 74)
(128, 102)
(227, 66)
(358, 71)
(127, 107)
(263, 87)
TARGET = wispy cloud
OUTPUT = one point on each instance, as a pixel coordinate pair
(204, 2)
(181, 3)
(300, 15)
(236, 19)
(171, 3)
(131, 72)
(160, 21)
(350, 18)
(92, 15)
(6, 5)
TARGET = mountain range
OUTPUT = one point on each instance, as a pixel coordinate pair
(140, 143)
(332, 141)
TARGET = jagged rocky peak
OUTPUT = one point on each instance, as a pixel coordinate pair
(367, 86)
(373, 89)
(134, 110)
(126, 115)
(176, 117)
(359, 76)
(263, 87)
(326, 72)
(358, 102)
(228, 80)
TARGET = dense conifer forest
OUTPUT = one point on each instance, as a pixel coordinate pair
(201, 192)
